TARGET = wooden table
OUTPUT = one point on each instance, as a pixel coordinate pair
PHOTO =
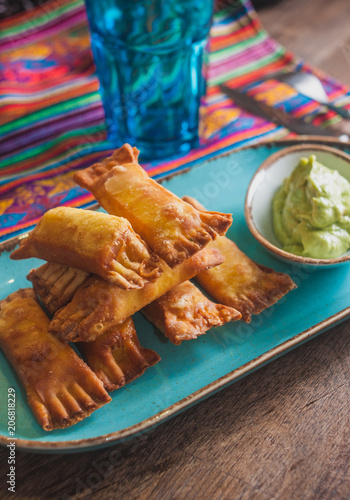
(280, 433)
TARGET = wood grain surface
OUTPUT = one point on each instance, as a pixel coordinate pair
(280, 433)
(316, 30)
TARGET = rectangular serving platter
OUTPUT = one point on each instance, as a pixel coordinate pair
(196, 369)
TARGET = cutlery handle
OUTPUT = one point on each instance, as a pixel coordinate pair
(345, 113)
(278, 116)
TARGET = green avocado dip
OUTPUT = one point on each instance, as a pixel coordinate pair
(311, 211)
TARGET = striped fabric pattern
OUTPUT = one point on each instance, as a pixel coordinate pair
(51, 115)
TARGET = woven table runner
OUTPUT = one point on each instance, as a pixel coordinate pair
(52, 119)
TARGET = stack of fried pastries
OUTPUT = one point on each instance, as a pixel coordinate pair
(103, 268)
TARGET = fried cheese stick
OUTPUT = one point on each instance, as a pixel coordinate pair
(98, 306)
(239, 282)
(61, 389)
(173, 229)
(95, 242)
(117, 357)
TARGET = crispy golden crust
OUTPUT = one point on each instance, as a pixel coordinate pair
(184, 312)
(99, 306)
(241, 283)
(172, 228)
(117, 357)
(61, 388)
(95, 242)
(56, 284)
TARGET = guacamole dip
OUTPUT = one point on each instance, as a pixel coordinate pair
(311, 211)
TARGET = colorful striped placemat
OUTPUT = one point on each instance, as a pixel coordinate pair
(52, 120)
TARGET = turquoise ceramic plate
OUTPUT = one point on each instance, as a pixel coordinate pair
(196, 369)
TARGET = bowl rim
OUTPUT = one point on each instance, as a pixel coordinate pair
(250, 197)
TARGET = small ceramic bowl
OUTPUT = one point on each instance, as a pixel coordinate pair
(268, 178)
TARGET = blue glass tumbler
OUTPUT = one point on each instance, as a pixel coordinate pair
(149, 56)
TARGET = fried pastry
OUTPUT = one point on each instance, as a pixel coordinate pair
(184, 312)
(60, 387)
(55, 284)
(99, 306)
(173, 229)
(239, 282)
(95, 242)
(117, 357)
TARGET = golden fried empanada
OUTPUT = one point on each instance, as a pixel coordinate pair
(184, 312)
(117, 357)
(61, 388)
(56, 284)
(98, 243)
(239, 282)
(172, 228)
(99, 306)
